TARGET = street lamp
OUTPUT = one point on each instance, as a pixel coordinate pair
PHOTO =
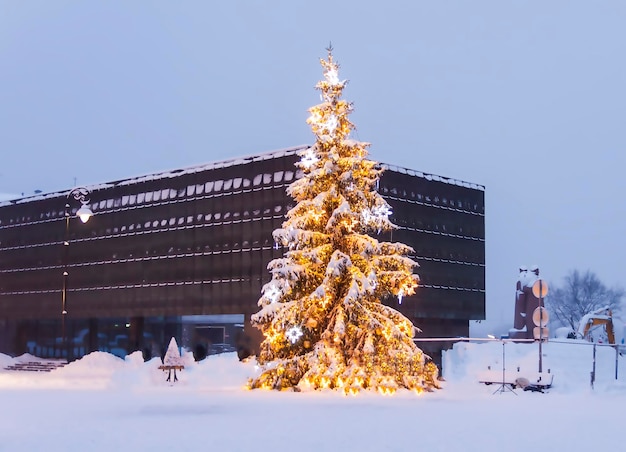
(84, 213)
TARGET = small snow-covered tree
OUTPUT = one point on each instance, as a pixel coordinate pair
(321, 314)
(172, 355)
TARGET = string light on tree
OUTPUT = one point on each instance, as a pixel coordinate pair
(331, 124)
(381, 212)
(272, 293)
(371, 278)
(334, 274)
(309, 158)
(332, 76)
(377, 217)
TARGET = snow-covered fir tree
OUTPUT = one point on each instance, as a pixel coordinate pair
(172, 355)
(321, 314)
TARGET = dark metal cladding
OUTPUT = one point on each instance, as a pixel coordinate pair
(197, 241)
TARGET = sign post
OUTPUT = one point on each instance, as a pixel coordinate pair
(540, 316)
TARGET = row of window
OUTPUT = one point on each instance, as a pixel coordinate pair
(40, 286)
(449, 256)
(224, 237)
(150, 237)
(239, 248)
(221, 218)
(124, 255)
(223, 187)
(159, 225)
(211, 219)
(431, 177)
(228, 186)
(437, 226)
(236, 243)
(220, 187)
(132, 274)
(452, 286)
(474, 286)
(466, 205)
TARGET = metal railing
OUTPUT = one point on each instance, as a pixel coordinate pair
(619, 348)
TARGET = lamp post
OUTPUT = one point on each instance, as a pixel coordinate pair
(84, 213)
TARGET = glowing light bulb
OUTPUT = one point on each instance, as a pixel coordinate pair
(84, 213)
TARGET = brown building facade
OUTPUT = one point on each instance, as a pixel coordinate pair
(164, 254)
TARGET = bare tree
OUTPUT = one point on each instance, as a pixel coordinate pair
(582, 293)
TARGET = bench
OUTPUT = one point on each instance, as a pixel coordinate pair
(35, 366)
(169, 369)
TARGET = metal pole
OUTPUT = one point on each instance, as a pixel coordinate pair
(593, 369)
(503, 362)
(540, 325)
(79, 194)
(616, 359)
(66, 246)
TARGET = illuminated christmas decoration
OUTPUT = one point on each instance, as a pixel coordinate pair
(293, 334)
(332, 75)
(331, 124)
(334, 275)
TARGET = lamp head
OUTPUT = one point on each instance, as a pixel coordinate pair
(84, 213)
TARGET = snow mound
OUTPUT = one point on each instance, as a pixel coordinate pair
(94, 361)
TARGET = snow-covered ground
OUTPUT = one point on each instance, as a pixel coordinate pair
(104, 403)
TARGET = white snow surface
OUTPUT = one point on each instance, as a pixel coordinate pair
(103, 403)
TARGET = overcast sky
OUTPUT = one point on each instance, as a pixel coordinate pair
(527, 98)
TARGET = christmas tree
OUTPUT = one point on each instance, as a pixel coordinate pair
(172, 355)
(321, 314)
